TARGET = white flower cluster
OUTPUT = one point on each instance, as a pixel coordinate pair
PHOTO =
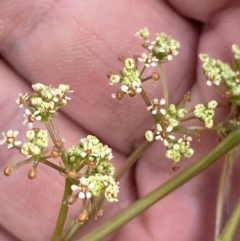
(43, 102)
(38, 141)
(169, 118)
(143, 33)
(216, 71)
(181, 148)
(90, 149)
(130, 81)
(96, 156)
(166, 46)
(93, 185)
(206, 113)
(163, 47)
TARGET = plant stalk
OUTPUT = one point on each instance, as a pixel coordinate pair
(223, 190)
(231, 226)
(129, 162)
(63, 211)
(164, 84)
(230, 142)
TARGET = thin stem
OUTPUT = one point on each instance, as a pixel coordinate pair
(129, 162)
(203, 128)
(148, 103)
(188, 118)
(164, 83)
(54, 134)
(52, 165)
(132, 159)
(231, 226)
(144, 67)
(147, 78)
(223, 190)
(63, 210)
(50, 131)
(230, 142)
(145, 98)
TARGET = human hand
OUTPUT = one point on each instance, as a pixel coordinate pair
(77, 43)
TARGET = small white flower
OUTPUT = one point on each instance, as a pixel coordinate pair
(131, 90)
(163, 135)
(185, 140)
(156, 106)
(31, 117)
(10, 139)
(151, 45)
(143, 33)
(148, 60)
(111, 192)
(22, 99)
(210, 82)
(84, 188)
(74, 187)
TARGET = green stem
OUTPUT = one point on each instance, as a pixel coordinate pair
(63, 210)
(231, 226)
(55, 136)
(132, 159)
(188, 118)
(230, 142)
(164, 83)
(129, 162)
(223, 190)
(52, 165)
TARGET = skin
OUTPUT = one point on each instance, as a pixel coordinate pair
(77, 43)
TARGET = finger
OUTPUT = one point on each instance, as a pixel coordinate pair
(196, 199)
(203, 11)
(6, 236)
(81, 49)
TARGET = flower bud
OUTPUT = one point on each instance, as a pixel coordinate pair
(36, 130)
(136, 56)
(155, 76)
(32, 173)
(72, 174)
(59, 144)
(55, 153)
(92, 164)
(165, 122)
(71, 200)
(131, 92)
(197, 135)
(109, 74)
(99, 214)
(120, 95)
(8, 171)
(121, 58)
(83, 216)
(228, 94)
(187, 97)
(175, 167)
(145, 45)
